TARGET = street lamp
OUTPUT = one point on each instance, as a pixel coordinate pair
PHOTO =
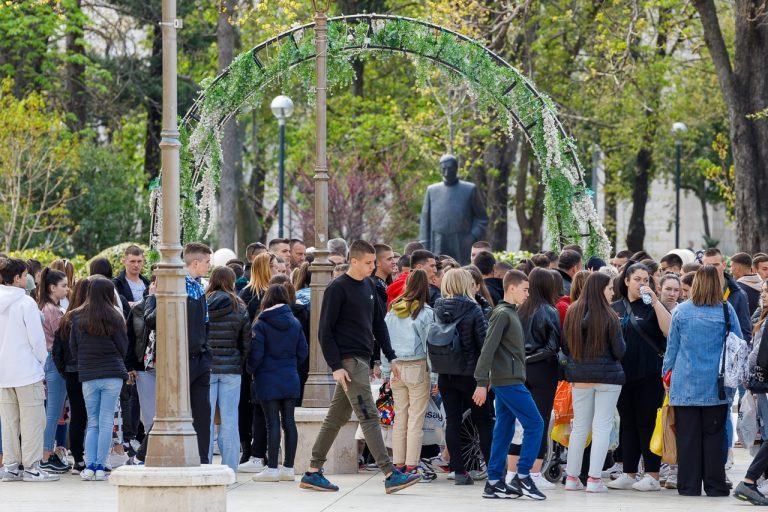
(678, 129)
(282, 108)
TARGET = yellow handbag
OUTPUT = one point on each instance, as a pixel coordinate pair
(657, 439)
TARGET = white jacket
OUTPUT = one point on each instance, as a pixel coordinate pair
(22, 341)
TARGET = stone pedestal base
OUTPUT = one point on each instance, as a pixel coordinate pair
(342, 459)
(153, 489)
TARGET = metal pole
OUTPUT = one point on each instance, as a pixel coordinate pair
(678, 145)
(319, 387)
(172, 440)
(282, 180)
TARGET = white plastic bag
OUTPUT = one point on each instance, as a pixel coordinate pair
(434, 424)
(736, 353)
(747, 422)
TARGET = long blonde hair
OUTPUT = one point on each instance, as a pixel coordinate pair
(261, 272)
(458, 282)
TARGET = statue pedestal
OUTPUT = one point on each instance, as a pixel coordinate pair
(154, 489)
(342, 458)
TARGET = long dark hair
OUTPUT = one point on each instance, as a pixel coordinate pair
(285, 282)
(479, 281)
(101, 267)
(541, 292)
(79, 295)
(98, 316)
(622, 290)
(48, 278)
(223, 280)
(302, 277)
(274, 295)
(416, 290)
(601, 319)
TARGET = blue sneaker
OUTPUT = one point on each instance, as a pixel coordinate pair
(317, 482)
(398, 481)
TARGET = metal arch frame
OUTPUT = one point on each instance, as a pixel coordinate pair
(191, 114)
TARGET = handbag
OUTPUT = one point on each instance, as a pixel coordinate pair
(733, 359)
(669, 435)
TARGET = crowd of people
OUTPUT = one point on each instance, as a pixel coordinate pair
(487, 343)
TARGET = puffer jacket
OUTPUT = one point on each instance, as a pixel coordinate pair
(230, 334)
(277, 347)
(407, 335)
(472, 326)
(542, 334)
(603, 369)
(99, 357)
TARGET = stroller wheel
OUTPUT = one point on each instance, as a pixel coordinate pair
(553, 472)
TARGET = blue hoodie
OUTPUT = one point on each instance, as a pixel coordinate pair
(278, 346)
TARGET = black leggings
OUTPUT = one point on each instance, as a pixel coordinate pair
(78, 416)
(456, 391)
(541, 381)
(275, 413)
(638, 402)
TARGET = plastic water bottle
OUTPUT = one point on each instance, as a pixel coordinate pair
(647, 299)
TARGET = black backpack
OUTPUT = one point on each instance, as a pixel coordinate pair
(444, 348)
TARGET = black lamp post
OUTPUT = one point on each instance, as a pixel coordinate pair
(282, 108)
(677, 131)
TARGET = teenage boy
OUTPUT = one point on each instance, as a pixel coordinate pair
(502, 366)
(130, 283)
(22, 393)
(350, 319)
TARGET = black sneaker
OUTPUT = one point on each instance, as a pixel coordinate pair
(54, 465)
(527, 488)
(500, 490)
(463, 479)
(750, 493)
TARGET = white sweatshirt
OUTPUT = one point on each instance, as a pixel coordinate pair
(22, 340)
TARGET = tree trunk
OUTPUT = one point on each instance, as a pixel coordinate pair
(745, 89)
(530, 225)
(154, 107)
(499, 155)
(75, 72)
(227, 41)
(636, 229)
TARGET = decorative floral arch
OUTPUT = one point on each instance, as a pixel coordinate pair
(569, 211)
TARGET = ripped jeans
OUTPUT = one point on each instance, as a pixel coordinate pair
(357, 398)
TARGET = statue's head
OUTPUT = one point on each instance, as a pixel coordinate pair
(449, 168)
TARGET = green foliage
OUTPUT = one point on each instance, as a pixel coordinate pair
(115, 256)
(46, 257)
(512, 257)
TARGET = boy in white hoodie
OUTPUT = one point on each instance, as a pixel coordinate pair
(22, 393)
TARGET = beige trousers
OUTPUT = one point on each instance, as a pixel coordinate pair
(22, 413)
(411, 396)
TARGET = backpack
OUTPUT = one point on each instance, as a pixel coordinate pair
(444, 348)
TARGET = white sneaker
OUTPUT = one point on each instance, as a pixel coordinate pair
(88, 475)
(572, 483)
(729, 462)
(542, 483)
(11, 473)
(268, 475)
(671, 482)
(452, 475)
(663, 473)
(253, 465)
(624, 482)
(614, 471)
(287, 474)
(35, 474)
(648, 483)
(596, 486)
(100, 475)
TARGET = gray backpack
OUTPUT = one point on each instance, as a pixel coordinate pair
(444, 347)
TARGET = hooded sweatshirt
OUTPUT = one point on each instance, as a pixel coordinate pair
(751, 285)
(407, 335)
(22, 340)
(502, 359)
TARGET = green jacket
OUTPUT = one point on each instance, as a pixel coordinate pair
(502, 360)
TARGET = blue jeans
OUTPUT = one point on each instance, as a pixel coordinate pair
(225, 390)
(146, 389)
(101, 397)
(514, 402)
(54, 405)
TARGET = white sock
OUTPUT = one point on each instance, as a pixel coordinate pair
(535, 475)
(511, 475)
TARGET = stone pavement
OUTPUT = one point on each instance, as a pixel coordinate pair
(365, 491)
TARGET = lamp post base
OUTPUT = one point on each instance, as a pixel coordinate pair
(192, 489)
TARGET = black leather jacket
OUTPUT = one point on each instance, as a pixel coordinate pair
(471, 327)
(542, 334)
(603, 369)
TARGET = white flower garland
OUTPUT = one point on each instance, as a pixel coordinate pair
(554, 157)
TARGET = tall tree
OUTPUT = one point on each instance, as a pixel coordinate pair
(743, 79)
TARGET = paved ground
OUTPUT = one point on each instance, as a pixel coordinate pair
(364, 491)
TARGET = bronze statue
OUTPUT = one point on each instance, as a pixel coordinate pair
(453, 215)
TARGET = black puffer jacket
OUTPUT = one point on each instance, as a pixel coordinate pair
(604, 369)
(99, 357)
(542, 334)
(472, 326)
(229, 335)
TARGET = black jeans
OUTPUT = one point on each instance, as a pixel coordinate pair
(759, 464)
(457, 391)
(78, 419)
(700, 437)
(258, 432)
(200, 401)
(638, 403)
(245, 415)
(275, 413)
(541, 381)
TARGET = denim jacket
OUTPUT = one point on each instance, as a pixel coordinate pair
(694, 346)
(408, 335)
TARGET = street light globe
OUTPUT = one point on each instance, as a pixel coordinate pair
(678, 129)
(282, 108)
